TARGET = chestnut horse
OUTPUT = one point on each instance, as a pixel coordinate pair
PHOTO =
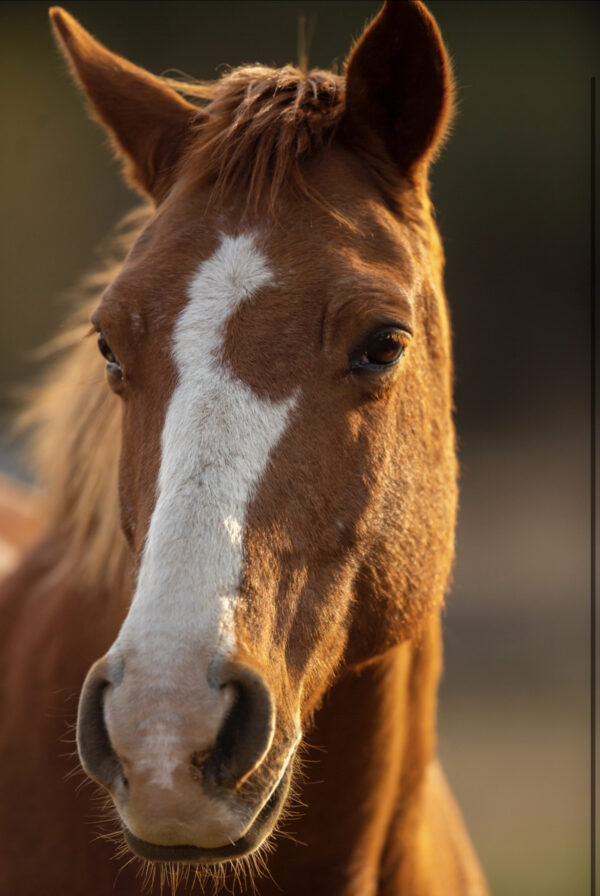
(275, 434)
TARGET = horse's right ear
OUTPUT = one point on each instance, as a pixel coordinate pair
(398, 89)
(148, 122)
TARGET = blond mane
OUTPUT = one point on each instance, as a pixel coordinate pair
(74, 422)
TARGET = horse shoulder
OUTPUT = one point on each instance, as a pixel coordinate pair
(50, 630)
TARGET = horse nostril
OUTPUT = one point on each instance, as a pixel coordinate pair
(97, 756)
(247, 732)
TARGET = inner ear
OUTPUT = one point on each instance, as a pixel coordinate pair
(398, 89)
(149, 123)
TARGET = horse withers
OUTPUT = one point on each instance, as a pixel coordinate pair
(275, 436)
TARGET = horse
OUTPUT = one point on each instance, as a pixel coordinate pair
(244, 540)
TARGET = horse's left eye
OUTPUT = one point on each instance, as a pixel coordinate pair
(380, 350)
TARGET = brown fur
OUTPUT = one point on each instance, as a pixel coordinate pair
(349, 539)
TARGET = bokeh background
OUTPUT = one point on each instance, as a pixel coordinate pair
(513, 195)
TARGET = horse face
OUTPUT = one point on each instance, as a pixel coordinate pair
(287, 471)
(273, 455)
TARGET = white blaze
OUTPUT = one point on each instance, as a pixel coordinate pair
(216, 443)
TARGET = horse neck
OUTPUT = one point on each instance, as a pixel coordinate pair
(373, 740)
(42, 597)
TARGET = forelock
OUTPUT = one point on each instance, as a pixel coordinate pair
(255, 126)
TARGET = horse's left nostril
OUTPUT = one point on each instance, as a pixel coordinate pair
(247, 732)
(96, 753)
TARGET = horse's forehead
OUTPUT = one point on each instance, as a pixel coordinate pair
(314, 264)
(303, 237)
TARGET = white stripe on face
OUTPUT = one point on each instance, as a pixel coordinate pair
(216, 443)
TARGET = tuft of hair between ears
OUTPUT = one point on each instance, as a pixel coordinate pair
(256, 127)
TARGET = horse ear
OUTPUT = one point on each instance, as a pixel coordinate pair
(398, 88)
(147, 121)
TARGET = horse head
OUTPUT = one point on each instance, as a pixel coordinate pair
(278, 340)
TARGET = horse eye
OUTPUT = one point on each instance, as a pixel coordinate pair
(106, 350)
(114, 371)
(381, 349)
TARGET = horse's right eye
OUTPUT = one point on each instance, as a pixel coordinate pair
(105, 350)
(114, 371)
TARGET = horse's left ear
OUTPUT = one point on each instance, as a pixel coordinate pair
(148, 122)
(398, 89)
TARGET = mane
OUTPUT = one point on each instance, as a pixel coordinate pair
(74, 426)
(255, 127)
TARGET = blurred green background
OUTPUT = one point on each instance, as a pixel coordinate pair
(513, 196)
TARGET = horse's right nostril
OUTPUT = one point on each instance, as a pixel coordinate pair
(247, 732)
(97, 756)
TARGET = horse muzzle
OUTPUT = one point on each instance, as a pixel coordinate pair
(195, 772)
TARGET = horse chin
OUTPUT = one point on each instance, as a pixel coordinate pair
(262, 826)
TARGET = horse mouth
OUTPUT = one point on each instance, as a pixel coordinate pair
(260, 829)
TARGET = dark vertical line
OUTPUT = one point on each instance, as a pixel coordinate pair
(593, 478)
